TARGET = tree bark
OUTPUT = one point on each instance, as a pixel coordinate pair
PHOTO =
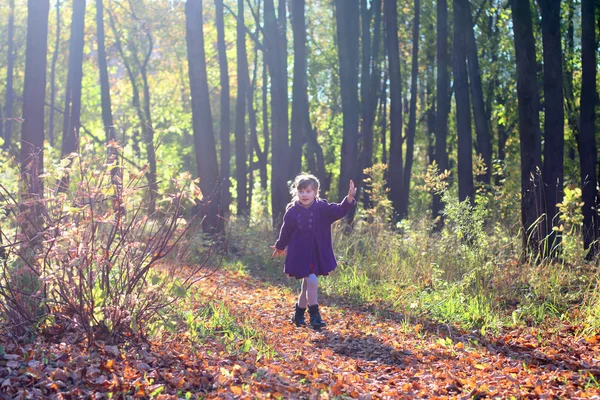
(204, 142)
(53, 76)
(225, 196)
(276, 56)
(482, 127)
(347, 22)
(263, 155)
(443, 100)
(554, 132)
(300, 116)
(412, 117)
(587, 141)
(529, 130)
(34, 94)
(395, 172)
(72, 114)
(107, 118)
(6, 133)
(463, 102)
(241, 170)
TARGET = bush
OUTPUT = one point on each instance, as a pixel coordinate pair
(93, 263)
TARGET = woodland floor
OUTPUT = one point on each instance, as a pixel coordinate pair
(361, 354)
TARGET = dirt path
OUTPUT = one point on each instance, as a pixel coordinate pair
(363, 356)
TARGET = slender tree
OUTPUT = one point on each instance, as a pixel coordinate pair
(395, 174)
(480, 116)
(107, 118)
(241, 170)
(34, 94)
(275, 56)
(225, 198)
(587, 141)
(300, 117)
(204, 142)
(554, 128)
(347, 22)
(8, 106)
(529, 130)
(463, 102)
(72, 115)
(412, 117)
(53, 75)
(443, 100)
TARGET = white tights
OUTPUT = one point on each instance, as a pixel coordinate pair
(308, 294)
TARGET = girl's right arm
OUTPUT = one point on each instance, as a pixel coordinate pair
(287, 229)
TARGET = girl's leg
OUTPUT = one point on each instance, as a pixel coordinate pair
(311, 285)
(302, 299)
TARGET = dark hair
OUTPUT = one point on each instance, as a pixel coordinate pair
(302, 181)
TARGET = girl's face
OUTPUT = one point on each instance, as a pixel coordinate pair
(306, 195)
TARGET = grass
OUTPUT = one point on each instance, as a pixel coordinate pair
(470, 274)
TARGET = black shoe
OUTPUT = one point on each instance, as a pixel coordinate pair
(315, 318)
(298, 317)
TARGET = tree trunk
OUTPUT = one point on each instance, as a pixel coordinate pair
(443, 100)
(253, 145)
(383, 120)
(463, 102)
(412, 117)
(241, 169)
(263, 156)
(554, 132)
(300, 116)
(276, 56)
(72, 114)
(571, 107)
(225, 196)
(529, 130)
(395, 173)
(34, 94)
(346, 13)
(107, 118)
(482, 127)
(587, 142)
(6, 133)
(370, 82)
(53, 76)
(204, 141)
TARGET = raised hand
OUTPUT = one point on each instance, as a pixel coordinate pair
(277, 252)
(351, 191)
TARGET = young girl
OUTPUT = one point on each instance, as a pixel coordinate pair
(306, 232)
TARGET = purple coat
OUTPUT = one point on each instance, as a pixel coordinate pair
(306, 232)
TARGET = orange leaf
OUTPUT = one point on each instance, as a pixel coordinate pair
(236, 390)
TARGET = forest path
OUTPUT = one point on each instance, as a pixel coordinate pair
(360, 355)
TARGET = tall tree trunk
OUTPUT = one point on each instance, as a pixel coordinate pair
(370, 82)
(34, 94)
(412, 117)
(463, 102)
(72, 114)
(383, 120)
(346, 14)
(225, 198)
(482, 127)
(6, 133)
(241, 169)
(107, 118)
(300, 116)
(443, 100)
(263, 156)
(276, 56)
(571, 108)
(395, 173)
(204, 141)
(529, 130)
(554, 132)
(587, 142)
(53, 76)
(253, 145)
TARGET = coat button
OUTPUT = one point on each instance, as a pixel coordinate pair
(310, 220)
(310, 226)
(300, 227)
(311, 214)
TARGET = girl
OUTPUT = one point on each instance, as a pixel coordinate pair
(306, 232)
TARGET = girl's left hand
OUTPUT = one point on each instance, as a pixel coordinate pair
(351, 191)
(277, 252)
